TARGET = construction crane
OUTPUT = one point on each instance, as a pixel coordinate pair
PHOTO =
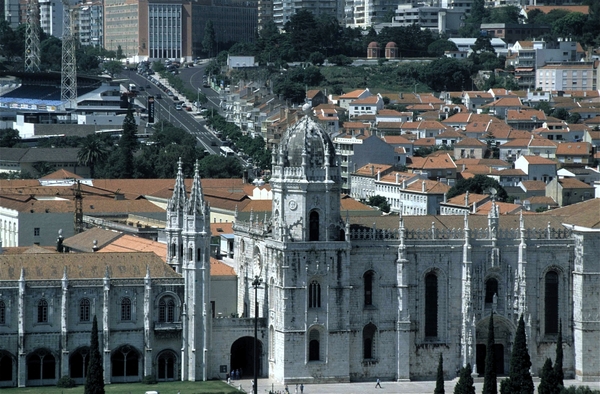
(68, 75)
(32, 37)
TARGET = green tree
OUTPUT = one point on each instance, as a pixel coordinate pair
(209, 41)
(479, 184)
(9, 138)
(570, 25)
(94, 382)
(379, 202)
(490, 385)
(119, 53)
(127, 146)
(559, 375)
(317, 58)
(465, 381)
(439, 383)
(51, 54)
(439, 47)
(473, 22)
(508, 14)
(113, 67)
(340, 60)
(216, 166)
(548, 383)
(519, 379)
(445, 75)
(483, 44)
(92, 151)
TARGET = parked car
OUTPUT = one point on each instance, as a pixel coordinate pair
(178, 107)
(175, 98)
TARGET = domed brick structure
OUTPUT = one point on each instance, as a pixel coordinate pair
(391, 50)
(373, 50)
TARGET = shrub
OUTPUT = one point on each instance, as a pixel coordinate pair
(149, 379)
(65, 382)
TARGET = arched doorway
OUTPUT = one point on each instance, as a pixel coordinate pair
(6, 369)
(125, 364)
(503, 334)
(78, 364)
(242, 352)
(41, 368)
(166, 366)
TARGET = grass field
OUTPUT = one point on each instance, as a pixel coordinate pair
(210, 387)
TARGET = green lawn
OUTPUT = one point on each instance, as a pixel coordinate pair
(214, 387)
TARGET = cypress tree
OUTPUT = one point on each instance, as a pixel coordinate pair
(558, 363)
(489, 380)
(127, 146)
(519, 380)
(439, 383)
(465, 381)
(94, 382)
(547, 381)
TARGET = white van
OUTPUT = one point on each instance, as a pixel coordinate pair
(152, 392)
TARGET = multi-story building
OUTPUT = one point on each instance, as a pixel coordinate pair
(442, 20)
(566, 76)
(51, 17)
(233, 20)
(513, 32)
(89, 22)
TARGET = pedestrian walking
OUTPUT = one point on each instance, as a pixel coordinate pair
(378, 384)
(301, 388)
(296, 389)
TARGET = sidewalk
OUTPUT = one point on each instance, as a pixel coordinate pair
(264, 385)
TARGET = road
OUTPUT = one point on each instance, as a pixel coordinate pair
(164, 109)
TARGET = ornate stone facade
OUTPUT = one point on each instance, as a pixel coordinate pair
(382, 297)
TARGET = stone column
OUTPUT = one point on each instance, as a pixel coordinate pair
(106, 327)
(403, 322)
(147, 322)
(64, 367)
(22, 354)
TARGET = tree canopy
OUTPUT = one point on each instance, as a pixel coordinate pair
(479, 184)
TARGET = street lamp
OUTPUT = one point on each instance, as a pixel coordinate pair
(256, 283)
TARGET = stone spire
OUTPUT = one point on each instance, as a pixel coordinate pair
(195, 205)
(179, 193)
(468, 330)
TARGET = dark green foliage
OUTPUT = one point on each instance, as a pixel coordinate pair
(483, 44)
(439, 383)
(379, 202)
(92, 152)
(446, 75)
(438, 47)
(149, 379)
(209, 42)
(94, 382)
(317, 58)
(548, 384)
(578, 390)
(9, 138)
(558, 363)
(490, 385)
(508, 14)
(479, 184)
(519, 379)
(65, 382)
(465, 381)
(340, 60)
(51, 54)
(473, 21)
(127, 146)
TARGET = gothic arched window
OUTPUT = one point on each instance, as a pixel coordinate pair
(368, 283)
(314, 295)
(551, 303)
(313, 226)
(491, 288)
(431, 305)
(84, 310)
(369, 341)
(126, 309)
(42, 311)
(314, 346)
(166, 310)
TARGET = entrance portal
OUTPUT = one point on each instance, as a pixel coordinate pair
(242, 352)
(498, 358)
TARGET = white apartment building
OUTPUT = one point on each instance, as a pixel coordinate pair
(51, 17)
(284, 9)
(89, 22)
(568, 76)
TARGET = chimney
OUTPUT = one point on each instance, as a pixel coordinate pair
(404, 184)
(466, 199)
(95, 248)
(423, 186)
(475, 207)
(464, 167)
(378, 175)
(397, 177)
(372, 170)
(445, 198)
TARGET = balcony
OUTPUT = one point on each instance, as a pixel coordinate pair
(168, 326)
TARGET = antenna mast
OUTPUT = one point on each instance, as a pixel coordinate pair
(32, 37)
(68, 77)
